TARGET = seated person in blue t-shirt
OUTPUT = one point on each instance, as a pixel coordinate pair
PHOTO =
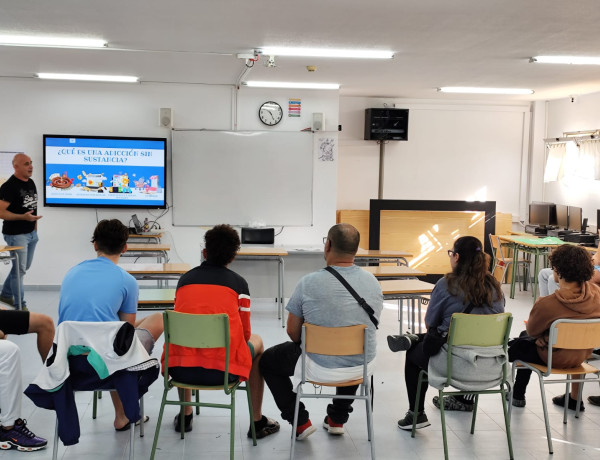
(99, 290)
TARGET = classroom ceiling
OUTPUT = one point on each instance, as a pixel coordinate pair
(436, 42)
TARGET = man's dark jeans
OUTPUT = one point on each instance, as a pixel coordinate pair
(277, 366)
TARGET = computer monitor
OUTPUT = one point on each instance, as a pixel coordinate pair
(542, 214)
(562, 216)
(575, 216)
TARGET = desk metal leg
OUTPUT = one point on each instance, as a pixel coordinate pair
(514, 271)
(419, 306)
(400, 314)
(536, 264)
(280, 306)
(18, 295)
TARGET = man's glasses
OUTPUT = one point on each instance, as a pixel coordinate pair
(324, 239)
(451, 252)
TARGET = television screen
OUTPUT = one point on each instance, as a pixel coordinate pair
(99, 171)
(575, 216)
(562, 216)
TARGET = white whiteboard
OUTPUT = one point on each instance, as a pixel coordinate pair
(239, 177)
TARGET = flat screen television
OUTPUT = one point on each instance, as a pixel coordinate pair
(575, 217)
(105, 171)
(562, 216)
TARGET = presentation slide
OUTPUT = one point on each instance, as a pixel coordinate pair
(104, 171)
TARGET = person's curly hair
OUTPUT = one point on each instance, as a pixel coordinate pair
(222, 243)
(110, 236)
(572, 263)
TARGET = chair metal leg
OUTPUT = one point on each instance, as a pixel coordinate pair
(507, 423)
(132, 439)
(95, 403)
(370, 422)
(55, 447)
(197, 401)
(158, 423)
(567, 395)
(443, 417)
(143, 417)
(251, 411)
(416, 405)
(579, 395)
(295, 424)
(546, 419)
(232, 435)
(474, 414)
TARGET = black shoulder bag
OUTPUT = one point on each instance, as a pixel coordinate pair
(362, 302)
(434, 340)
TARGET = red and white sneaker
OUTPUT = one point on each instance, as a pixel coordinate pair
(332, 427)
(304, 431)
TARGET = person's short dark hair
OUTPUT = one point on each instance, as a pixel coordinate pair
(572, 263)
(110, 236)
(344, 238)
(222, 243)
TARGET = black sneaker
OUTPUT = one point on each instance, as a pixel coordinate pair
(187, 423)
(21, 437)
(401, 342)
(516, 401)
(452, 403)
(560, 401)
(594, 400)
(264, 427)
(407, 422)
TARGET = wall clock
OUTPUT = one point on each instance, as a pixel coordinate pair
(270, 113)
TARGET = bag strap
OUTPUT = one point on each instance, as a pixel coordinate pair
(362, 302)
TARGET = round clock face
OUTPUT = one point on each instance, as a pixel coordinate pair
(270, 113)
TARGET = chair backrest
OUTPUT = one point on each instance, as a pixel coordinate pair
(479, 330)
(575, 334)
(498, 249)
(196, 331)
(334, 341)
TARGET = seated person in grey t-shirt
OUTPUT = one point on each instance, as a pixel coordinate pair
(321, 299)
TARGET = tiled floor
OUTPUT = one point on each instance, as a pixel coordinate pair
(580, 438)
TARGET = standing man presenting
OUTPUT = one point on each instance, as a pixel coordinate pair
(18, 209)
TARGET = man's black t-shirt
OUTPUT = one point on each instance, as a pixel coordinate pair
(22, 197)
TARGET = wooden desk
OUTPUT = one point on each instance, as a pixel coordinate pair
(14, 255)
(530, 245)
(156, 237)
(148, 250)
(390, 272)
(268, 253)
(156, 299)
(365, 256)
(159, 272)
(412, 290)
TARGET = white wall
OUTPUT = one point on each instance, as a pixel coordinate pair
(455, 151)
(31, 108)
(566, 116)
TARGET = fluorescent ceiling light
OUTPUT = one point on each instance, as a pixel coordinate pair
(32, 40)
(284, 84)
(326, 52)
(578, 60)
(84, 77)
(475, 90)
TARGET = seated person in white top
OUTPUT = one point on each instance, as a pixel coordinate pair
(99, 290)
(548, 284)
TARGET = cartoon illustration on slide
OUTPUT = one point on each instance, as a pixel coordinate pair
(120, 184)
(61, 182)
(93, 182)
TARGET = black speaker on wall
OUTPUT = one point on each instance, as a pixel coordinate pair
(386, 124)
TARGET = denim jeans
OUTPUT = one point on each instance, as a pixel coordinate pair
(28, 241)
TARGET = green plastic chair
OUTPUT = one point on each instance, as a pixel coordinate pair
(476, 331)
(200, 331)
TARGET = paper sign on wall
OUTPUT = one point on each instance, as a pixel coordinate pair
(294, 107)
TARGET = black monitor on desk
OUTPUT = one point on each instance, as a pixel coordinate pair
(542, 214)
(562, 216)
(575, 218)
